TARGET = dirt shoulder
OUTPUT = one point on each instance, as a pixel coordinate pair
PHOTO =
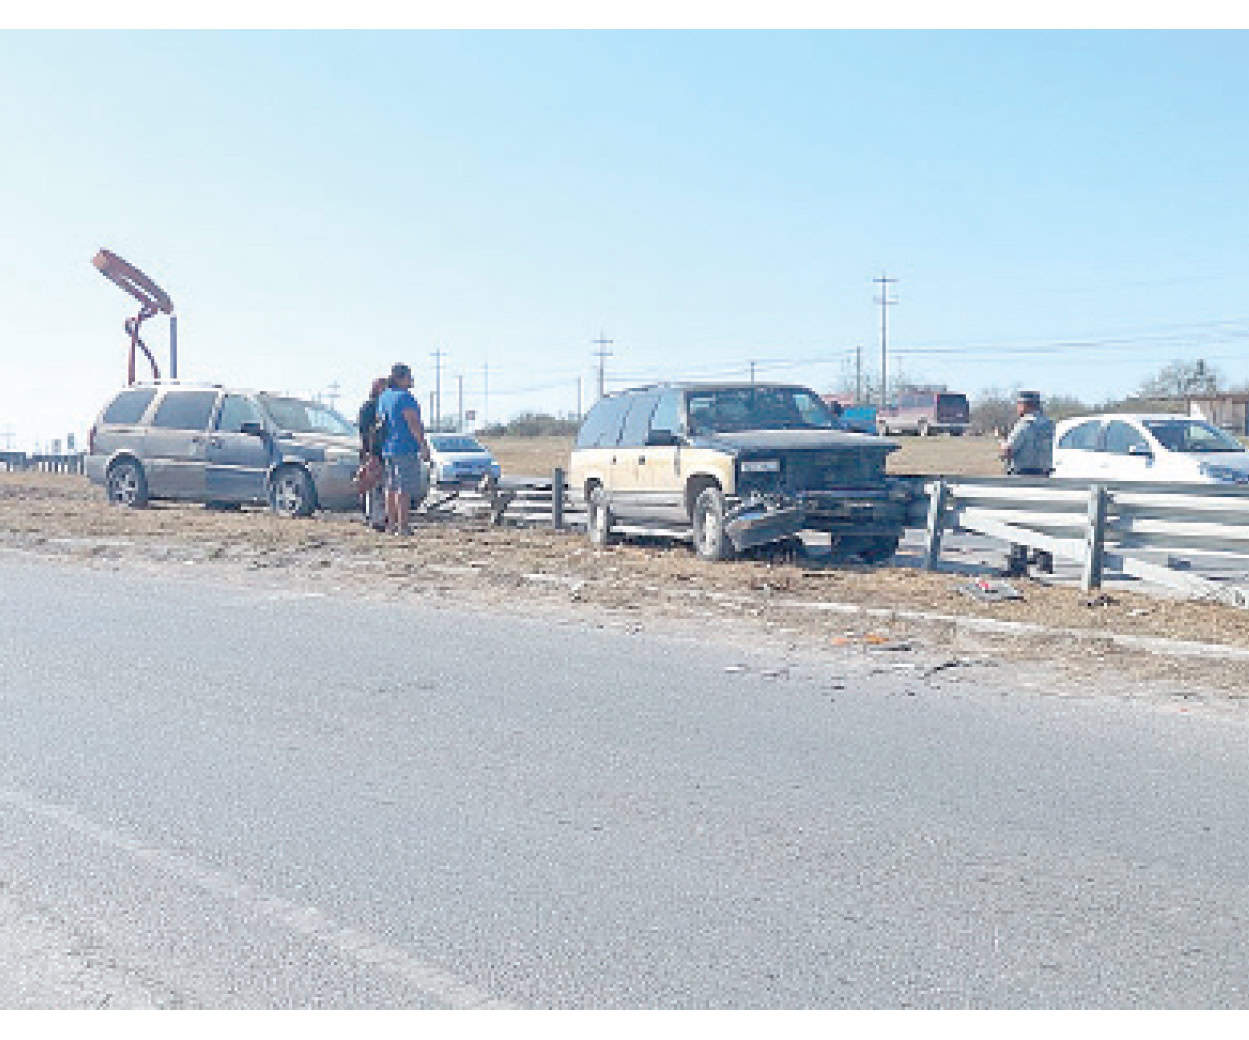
(466, 560)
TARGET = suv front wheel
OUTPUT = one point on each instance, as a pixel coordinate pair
(291, 492)
(599, 518)
(711, 541)
(126, 485)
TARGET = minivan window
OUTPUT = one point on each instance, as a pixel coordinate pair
(1082, 437)
(129, 406)
(638, 420)
(297, 416)
(601, 428)
(185, 410)
(236, 410)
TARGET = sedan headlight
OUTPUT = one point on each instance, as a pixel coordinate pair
(1224, 474)
(761, 465)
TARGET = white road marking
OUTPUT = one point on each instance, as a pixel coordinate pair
(351, 943)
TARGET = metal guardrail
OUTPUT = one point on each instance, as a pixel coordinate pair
(15, 461)
(523, 501)
(1103, 526)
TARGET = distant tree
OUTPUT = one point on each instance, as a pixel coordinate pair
(1181, 379)
(533, 424)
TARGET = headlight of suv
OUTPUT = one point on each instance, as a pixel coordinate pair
(1224, 474)
(761, 465)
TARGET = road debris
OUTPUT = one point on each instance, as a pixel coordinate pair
(987, 591)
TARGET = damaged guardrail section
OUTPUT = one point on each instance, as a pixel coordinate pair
(1102, 526)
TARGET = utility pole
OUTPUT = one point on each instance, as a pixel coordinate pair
(332, 393)
(858, 373)
(885, 304)
(752, 373)
(459, 426)
(485, 382)
(438, 355)
(602, 354)
(578, 397)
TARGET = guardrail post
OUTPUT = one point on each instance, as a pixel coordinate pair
(937, 498)
(1094, 539)
(557, 499)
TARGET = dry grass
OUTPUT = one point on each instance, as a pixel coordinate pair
(964, 456)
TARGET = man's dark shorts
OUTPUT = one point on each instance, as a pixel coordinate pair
(405, 475)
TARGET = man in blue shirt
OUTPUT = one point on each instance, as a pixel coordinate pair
(403, 449)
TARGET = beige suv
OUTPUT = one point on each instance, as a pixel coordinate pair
(741, 464)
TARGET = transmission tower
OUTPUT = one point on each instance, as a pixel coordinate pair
(602, 354)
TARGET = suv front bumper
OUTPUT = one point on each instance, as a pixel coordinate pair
(766, 518)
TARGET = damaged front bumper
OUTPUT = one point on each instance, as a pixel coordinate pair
(765, 518)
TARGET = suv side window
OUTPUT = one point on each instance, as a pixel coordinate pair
(185, 410)
(1120, 437)
(128, 406)
(667, 414)
(601, 428)
(1082, 437)
(638, 421)
(236, 410)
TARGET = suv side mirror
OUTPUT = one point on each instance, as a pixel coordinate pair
(252, 429)
(661, 439)
(1141, 450)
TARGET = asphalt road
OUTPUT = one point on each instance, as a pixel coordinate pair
(234, 796)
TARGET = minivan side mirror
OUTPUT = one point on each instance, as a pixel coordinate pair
(253, 429)
(661, 439)
(1140, 449)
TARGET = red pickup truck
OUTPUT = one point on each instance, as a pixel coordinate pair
(925, 411)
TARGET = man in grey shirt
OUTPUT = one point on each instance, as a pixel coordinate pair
(1029, 452)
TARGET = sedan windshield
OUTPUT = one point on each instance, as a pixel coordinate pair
(732, 409)
(442, 443)
(296, 416)
(1190, 435)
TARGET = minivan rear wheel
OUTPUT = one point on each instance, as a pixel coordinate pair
(126, 484)
(291, 492)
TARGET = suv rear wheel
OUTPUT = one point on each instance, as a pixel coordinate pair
(711, 541)
(291, 492)
(126, 485)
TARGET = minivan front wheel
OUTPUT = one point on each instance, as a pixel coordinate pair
(711, 541)
(291, 492)
(126, 484)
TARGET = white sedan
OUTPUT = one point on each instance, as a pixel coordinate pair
(458, 459)
(1157, 448)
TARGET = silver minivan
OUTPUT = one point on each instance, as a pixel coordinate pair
(224, 446)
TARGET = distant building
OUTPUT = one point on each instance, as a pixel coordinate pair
(1228, 411)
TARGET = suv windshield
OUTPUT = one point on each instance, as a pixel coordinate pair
(442, 443)
(296, 416)
(1189, 435)
(758, 408)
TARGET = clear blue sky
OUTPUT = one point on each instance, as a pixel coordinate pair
(1063, 210)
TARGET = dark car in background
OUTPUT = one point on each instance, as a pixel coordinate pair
(223, 446)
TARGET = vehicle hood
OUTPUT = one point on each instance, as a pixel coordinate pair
(751, 441)
(480, 457)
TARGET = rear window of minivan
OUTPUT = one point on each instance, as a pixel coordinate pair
(128, 406)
